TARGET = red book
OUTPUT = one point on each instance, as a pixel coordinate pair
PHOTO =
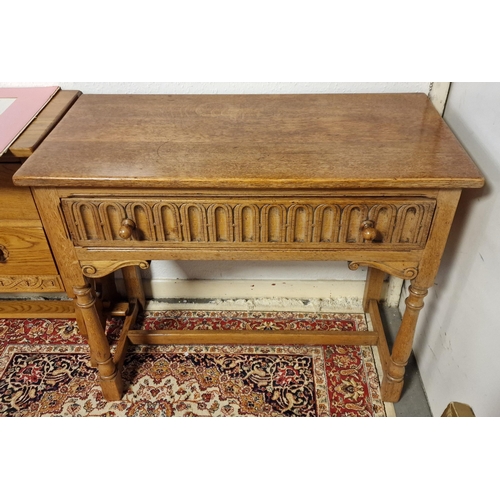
(18, 108)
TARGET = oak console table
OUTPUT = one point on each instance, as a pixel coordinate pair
(370, 179)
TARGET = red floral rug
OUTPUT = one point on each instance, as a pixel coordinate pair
(45, 371)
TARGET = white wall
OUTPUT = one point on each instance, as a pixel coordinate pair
(457, 344)
(230, 87)
(242, 270)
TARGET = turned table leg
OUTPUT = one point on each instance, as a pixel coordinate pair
(133, 284)
(109, 376)
(447, 201)
(373, 287)
(392, 384)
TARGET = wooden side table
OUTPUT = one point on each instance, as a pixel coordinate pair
(26, 261)
(370, 179)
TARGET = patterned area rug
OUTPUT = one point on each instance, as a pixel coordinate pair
(45, 370)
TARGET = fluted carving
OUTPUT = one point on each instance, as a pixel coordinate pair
(337, 221)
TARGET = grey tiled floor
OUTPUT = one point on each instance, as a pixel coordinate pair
(413, 402)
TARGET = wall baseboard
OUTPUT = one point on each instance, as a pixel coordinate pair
(312, 295)
(338, 296)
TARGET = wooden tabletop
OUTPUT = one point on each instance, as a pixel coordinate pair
(251, 141)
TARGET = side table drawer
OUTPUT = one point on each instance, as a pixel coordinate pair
(24, 250)
(403, 223)
(16, 203)
(26, 262)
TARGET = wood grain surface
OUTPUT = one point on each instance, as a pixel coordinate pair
(28, 251)
(251, 141)
(16, 203)
(37, 309)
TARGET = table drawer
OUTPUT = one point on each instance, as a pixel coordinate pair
(16, 203)
(24, 251)
(402, 222)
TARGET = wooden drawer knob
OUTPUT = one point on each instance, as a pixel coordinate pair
(4, 254)
(127, 229)
(368, 230)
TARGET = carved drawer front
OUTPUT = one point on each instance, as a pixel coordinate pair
(401, 222)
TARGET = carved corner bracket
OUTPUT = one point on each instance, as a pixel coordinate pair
(403, 270)
(98, 269)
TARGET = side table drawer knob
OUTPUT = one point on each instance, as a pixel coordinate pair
(368, 230)
(127, 229)
(4, 254)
